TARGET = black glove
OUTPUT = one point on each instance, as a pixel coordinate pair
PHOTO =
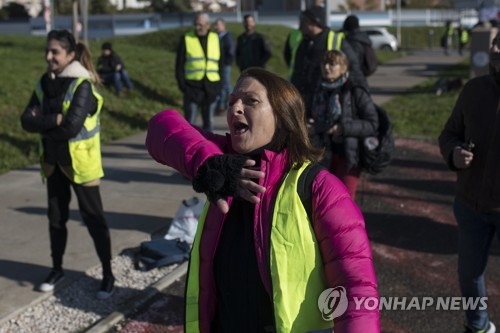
(218, 177)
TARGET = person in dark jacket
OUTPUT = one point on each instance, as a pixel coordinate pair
(469, 144)
(463, 38)
(358, 40)
(252, 49)
(447, 37)
(228, 49)
(342, 116)
(64, 110)
(306, 74)
(199, 67)
(112, 70)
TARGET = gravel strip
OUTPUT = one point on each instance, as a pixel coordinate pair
(75, 307)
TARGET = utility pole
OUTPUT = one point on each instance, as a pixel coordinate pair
(48, 15)
(327, 13)
(238, 11)
(84, 11)
(74, 23)
(398, 11)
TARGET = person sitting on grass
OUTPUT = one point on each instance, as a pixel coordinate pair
(112, 70)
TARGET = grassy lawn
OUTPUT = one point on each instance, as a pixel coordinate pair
(24, 63)
(150, 62)
(419, 112)
(385, 56)
(419, 37)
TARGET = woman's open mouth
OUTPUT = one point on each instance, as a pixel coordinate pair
(240, 128)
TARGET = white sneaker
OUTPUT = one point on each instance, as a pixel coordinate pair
(491, 329)
(50, 282)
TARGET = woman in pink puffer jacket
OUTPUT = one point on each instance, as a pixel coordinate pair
(258, 264)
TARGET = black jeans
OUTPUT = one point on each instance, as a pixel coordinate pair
(91, 210)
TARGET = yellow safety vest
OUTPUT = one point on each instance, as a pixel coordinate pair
(293, 245)
(197, 65)
(464, 36)
(293, 44)
(85, 147)
(334, 42)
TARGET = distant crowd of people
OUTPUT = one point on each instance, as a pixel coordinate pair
(281, 229)
(447, 39)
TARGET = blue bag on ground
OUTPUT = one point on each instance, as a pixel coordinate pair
(161, 252)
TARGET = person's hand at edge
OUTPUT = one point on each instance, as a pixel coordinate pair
(462, 158)
(336, 131)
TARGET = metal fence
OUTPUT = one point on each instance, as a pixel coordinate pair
(103, 26)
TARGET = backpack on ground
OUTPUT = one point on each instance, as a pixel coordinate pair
(375, 153)
(370, 61)
(161, 252)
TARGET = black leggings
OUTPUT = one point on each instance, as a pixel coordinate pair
(90, 204)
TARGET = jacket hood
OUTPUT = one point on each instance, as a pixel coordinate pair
(360, 37)
(76, 70)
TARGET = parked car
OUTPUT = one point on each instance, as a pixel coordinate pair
(381, 38)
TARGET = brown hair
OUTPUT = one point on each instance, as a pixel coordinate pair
(335, 57)
(288, 108)
(82, 53)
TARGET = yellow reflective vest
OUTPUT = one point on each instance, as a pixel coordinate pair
(85, 147)
(296, 266)
(197, 64)
(464, 36)
(293, 44)
(334, 40)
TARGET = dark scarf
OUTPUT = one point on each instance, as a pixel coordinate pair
(327, 108)
(54, 89)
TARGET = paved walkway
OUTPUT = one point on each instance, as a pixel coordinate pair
(140, 197)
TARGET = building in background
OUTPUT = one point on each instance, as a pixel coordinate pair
(34, 7)
(136, 4)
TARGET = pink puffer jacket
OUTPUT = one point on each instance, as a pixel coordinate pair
(337, 222)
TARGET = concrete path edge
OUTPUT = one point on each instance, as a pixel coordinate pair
(105, 324)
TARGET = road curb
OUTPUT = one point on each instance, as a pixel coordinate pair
(105, 324)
